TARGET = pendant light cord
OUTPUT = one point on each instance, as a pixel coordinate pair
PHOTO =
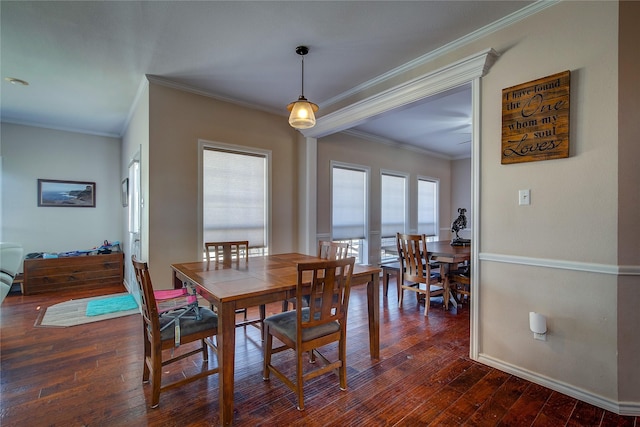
(302, 89)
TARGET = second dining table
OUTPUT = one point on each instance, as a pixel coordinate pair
(258, 281)
(439, 251)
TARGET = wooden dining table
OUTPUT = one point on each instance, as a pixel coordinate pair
(441, 251)
(258, 281)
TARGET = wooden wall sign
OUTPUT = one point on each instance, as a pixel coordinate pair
(535, 120)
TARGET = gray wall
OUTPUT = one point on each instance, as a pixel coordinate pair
(30, 153)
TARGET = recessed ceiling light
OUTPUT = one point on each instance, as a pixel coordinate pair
(15, 81)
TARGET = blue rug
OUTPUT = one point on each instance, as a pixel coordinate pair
(111, 305)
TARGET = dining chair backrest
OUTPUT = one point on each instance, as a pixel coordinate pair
(328, 284)
(332, 250)
(148, 304)
(413, 258)
(227, 252)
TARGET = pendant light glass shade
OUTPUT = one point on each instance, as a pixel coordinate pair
(302, 111)
(302, 116)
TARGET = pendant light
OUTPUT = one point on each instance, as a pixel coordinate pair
(302, 110)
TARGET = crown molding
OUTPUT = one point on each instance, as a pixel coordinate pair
(12, 121)
(186, 88)
(504, 22)
(450, 76)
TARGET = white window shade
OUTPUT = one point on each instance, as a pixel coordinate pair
(393, 203)
(349, 204)
(234, 197)
(427, 207)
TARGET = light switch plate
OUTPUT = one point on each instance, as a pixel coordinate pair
(524, 197)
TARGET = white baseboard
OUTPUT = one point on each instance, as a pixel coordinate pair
(621, 408)
(126, 285)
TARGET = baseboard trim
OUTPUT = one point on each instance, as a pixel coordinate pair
(621, 408)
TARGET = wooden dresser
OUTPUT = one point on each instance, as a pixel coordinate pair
(76, 272)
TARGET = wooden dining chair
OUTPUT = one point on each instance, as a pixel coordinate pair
(323, 321)
(326, 250)
(158, 338)
(332, 250)
(460, 283)
(228, 253)
(417, 271)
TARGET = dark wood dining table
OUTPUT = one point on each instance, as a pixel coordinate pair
(441, 251)
(260, 280)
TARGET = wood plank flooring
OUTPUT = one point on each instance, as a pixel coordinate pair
(90, 375)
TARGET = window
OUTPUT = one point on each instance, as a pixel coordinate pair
(349, 208)
(235, 197)
(133, 197)
(428, 207)
(393, 209)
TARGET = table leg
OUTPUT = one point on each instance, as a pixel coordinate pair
(177, 283)
(373, 305)
(448, 295)
(226, 354)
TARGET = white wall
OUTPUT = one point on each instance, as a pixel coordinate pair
(559, 255)
(29, 153)
(135, 145)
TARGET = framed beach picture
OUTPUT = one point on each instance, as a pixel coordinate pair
(73, 194)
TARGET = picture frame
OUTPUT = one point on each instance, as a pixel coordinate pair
(125, 192)
(68, 194)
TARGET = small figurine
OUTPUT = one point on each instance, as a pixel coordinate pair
(459, 224)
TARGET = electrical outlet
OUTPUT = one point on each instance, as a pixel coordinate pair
(541, 337)
(524, 197)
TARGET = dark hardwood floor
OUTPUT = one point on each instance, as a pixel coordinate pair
(90, 375)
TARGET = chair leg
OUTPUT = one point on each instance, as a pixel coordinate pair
(285, 306)
(156, 375)
(399, 282)
(299, 381)
(205, 352)
(342, 348)
(427, 303)
(385, 282)
(268, 341)
(147, 356)
(263, 313)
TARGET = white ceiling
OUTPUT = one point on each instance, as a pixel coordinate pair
(86, 61)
